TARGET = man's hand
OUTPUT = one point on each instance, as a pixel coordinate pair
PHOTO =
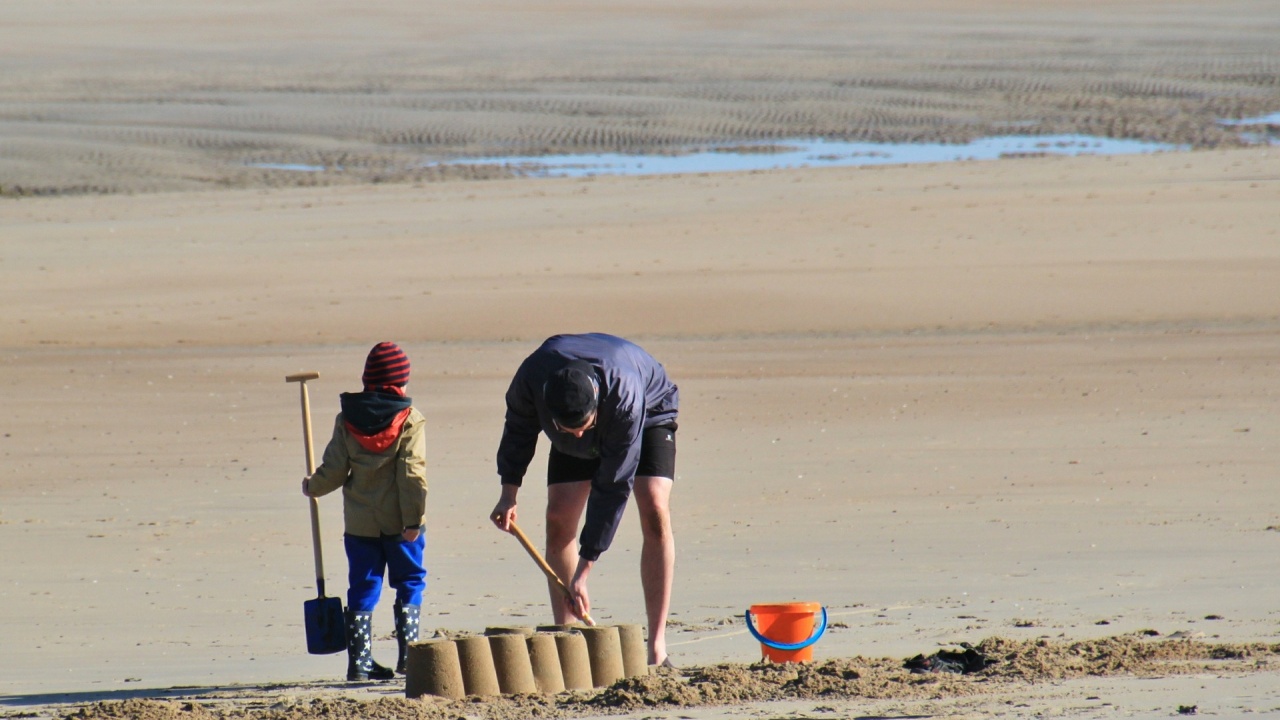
(504, 513)
(410, 534)
(305, 489)
(578, 601)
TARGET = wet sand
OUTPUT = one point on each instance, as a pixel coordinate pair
(1030, 399)
(138, 96)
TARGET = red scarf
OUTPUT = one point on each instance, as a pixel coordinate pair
(384, 438)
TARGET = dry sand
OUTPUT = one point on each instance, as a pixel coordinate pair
(1030, 399)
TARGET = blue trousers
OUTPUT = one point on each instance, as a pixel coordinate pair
(369, 558)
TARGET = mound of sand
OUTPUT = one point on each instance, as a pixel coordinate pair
(1010, 664)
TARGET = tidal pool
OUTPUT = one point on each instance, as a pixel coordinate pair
(809, 153)
(1263, 130)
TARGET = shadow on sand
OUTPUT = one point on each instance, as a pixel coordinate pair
(179, 692)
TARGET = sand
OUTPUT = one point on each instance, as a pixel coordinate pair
(1022, 401)
(137, 95)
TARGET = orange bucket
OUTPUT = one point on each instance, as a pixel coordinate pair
(786, 630)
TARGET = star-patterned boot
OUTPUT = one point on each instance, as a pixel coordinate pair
(406, 630)
(360, 664)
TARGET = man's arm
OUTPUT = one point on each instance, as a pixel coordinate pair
(516, 449)
(519, 431)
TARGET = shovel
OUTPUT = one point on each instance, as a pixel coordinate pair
(325, 623)
(546, 568)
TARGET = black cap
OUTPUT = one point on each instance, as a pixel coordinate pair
(571, 394)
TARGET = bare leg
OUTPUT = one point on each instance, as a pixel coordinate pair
(657, 558)
(565, 503)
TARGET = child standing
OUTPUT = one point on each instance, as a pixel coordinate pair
(378, 457)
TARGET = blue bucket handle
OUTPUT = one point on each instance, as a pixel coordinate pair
(817, 634)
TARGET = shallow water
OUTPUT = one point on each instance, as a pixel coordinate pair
(1264, 130)
(809, 153)
(291, 167)
(817, 153)
(1272, 119)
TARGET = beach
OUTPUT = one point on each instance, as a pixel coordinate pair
(1032, 398)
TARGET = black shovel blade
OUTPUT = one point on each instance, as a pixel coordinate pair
(326, 626)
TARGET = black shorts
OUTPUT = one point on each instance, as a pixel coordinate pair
(657, 459)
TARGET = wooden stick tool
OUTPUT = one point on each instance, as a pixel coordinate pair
(546, 569)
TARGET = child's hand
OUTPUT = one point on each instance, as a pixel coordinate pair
(305, 491)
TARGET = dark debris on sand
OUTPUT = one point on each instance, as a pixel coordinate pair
(994, 664)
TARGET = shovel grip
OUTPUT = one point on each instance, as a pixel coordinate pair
(315, 544)
(308, 446)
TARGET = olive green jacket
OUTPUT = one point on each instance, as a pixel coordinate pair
(383, 493)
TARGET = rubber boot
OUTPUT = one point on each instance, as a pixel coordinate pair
(406, 630)
(360, 664)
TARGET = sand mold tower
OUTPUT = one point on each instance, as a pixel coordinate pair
(519, 660)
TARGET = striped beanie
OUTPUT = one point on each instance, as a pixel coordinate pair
(387, 365)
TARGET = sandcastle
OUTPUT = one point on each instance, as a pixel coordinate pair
(523, 660)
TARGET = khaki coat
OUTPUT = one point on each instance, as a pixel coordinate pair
(383, 493)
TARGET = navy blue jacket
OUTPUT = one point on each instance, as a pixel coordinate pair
(635, 394)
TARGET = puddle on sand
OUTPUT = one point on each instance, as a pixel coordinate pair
(292, 167)
(1272, 119)
(818, 153)
(1263, 130)
(805, 153)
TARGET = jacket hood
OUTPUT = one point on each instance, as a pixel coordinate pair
(370, 412)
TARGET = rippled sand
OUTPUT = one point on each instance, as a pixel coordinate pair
(129, 97)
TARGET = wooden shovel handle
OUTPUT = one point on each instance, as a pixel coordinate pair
(302, 378)
(546, 569)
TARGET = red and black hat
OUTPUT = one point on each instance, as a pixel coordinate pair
(387, 365)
